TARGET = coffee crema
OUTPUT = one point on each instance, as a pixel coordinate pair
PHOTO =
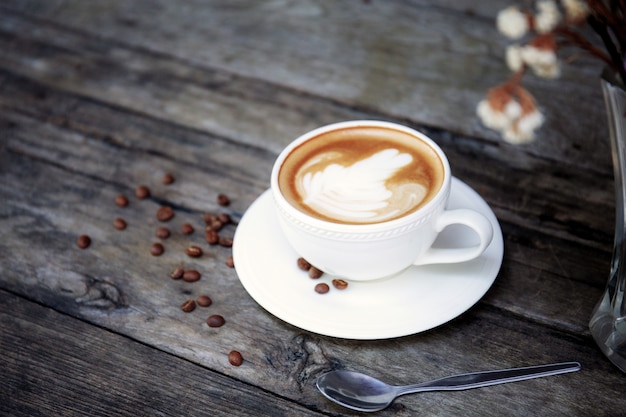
(361, 175)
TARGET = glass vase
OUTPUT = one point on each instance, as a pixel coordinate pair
(608, 321)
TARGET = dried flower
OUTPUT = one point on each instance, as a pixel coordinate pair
(548, 16)
(511, 109)
(512, 22)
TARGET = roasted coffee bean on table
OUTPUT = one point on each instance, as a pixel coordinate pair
(212, 237)
(119, 223)
(142, 192)
(157, 249)
(226, 242)
(168, 179)
(188, 306)
(121, 200)
(163, 233)
(194, 251)
(230, 262)
(340, 284)
(177, 273)
(223, 200)
(215, 320)
(303, 264)
(204, 300)
(191, 275)
(165, 214)
(186, 229)
(235, 358)
(83, 241)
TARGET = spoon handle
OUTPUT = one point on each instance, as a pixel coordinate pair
(483, 379)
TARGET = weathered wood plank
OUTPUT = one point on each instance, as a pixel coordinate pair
(425, 62)
(52, 364)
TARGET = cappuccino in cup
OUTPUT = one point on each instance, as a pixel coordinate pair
(364, 200)
(361, 175)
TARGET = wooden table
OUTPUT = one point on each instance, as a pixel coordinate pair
(98, 97)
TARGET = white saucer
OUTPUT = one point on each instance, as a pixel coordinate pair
(413, 301)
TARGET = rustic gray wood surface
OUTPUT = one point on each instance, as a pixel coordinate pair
(99, 97)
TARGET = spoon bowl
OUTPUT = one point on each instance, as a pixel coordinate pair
(365, 393)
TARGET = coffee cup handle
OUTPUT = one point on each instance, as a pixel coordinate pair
(472, 219)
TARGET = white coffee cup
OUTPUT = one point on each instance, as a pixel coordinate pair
(337, 218)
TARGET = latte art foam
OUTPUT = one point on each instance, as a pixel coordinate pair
(359, 192)
(361, 175)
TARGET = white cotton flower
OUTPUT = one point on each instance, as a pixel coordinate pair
(514, 57)
(523, 129)
(548, 16)
(576, 11)
(512, 23)
(517, 137)
(543, 62)
(492, 118)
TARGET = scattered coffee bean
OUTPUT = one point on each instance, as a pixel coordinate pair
(186, 229)
(230, 262)
(322, 288)
(121, 200)
(165, 214)
(204, 300)
(168, 179)
(163, 232)
(83, 241)
(340, 284)
(194, 251)
(315, 273)
(142, 192)
(215, 320)
(188, 306)
(303, 264)
(235, 358)
(226, 242)
(157, 249)
(213, 223)
(224, 218)
(191, 275)
(212, 237)
(223, 200)
(119, 223)
(177, 273)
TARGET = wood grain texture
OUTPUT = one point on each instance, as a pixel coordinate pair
(99, 97)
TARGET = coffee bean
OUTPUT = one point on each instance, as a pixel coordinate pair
(142, 192)
(226, 242)
(163, 232)
(165, 214)
(121, 200)
(224, 218)
(215, 320)
(204, 300)
(194, 251)
(119, 223)
(315, 273)
(83, 241)
(223, 200)
(213, 223)
(212, 237)
(168, 179)
(230, 262)
(340, 284)
(157, 249)
(235, 358)
(322, 288)
(186, 229)
(177, 273)
(303, 264)
(191, 275)
(188, 306)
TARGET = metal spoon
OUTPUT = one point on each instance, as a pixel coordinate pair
(364, 393)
